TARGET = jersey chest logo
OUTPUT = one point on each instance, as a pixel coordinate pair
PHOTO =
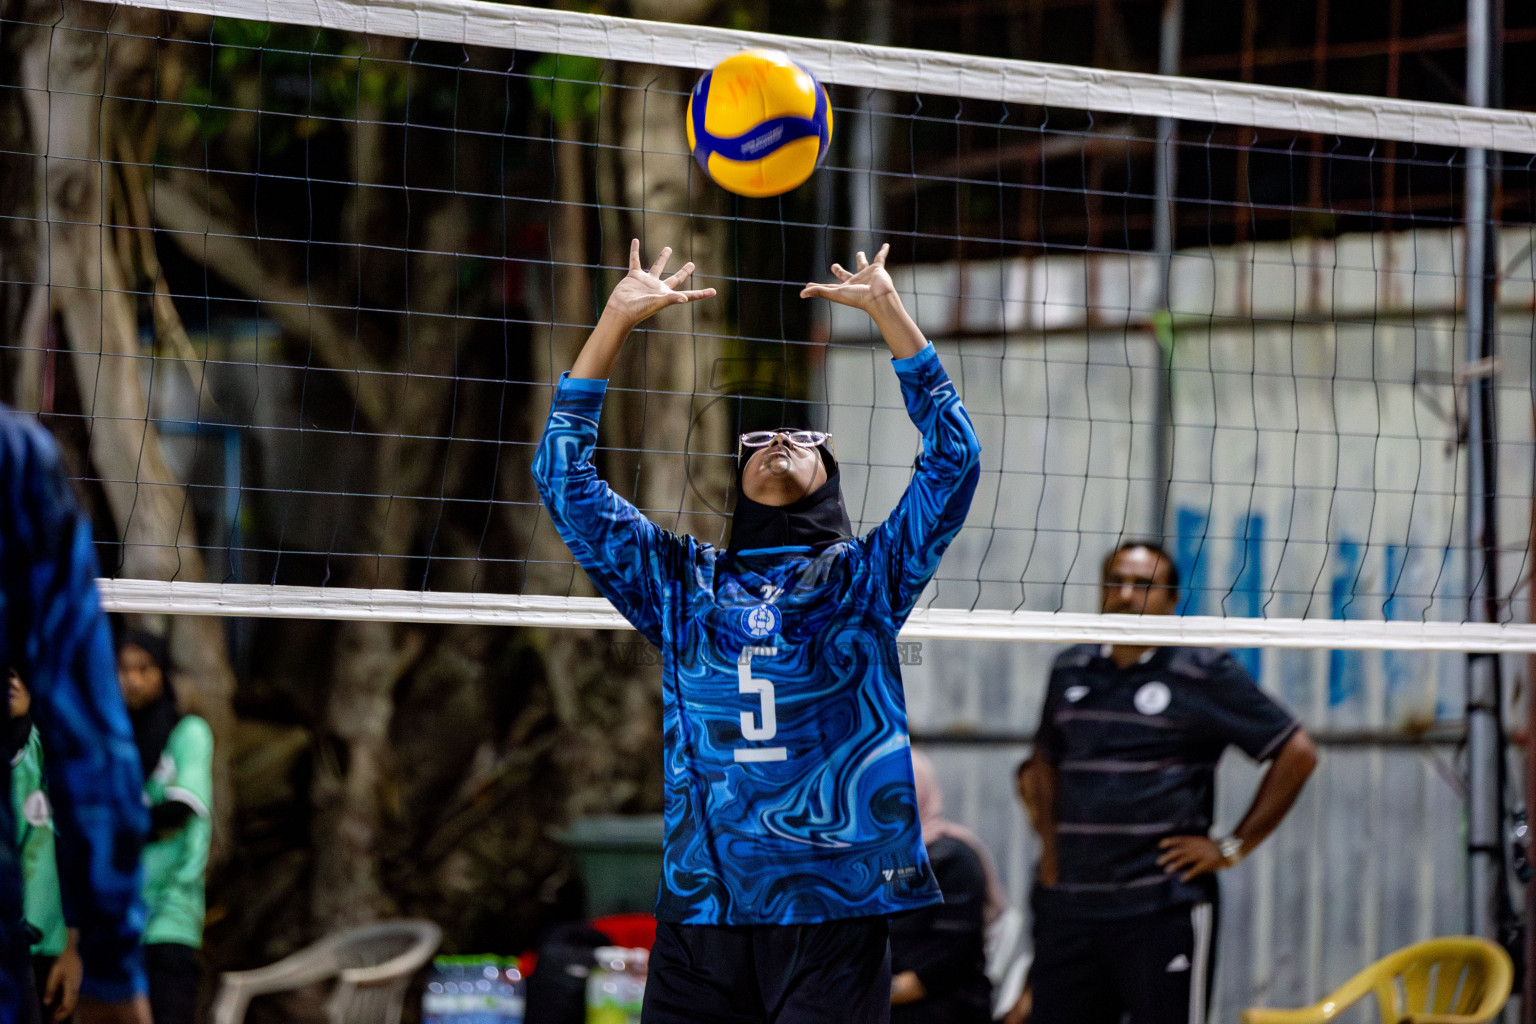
(761, 620)
(1152, 698)
(1075, 693)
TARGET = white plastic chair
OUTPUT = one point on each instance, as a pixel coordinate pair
(372, 965)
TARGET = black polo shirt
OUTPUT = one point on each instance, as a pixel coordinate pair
(1136, 751)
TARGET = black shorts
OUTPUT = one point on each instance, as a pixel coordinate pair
(1151, 969)
(174, 973)
(836, 972)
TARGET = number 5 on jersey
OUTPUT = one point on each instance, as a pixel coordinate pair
(763, 724)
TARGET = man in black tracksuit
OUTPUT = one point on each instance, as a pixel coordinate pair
(1121, 788)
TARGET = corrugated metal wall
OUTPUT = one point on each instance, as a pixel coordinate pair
(1316, 473)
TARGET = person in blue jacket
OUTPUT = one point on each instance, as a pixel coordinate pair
(791, 822)
(54, 634)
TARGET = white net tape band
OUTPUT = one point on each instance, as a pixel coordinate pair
(479, 23)
(244, 599)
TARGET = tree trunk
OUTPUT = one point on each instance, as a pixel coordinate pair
(607, 713)
(678, 428)
(23, 298)
(82, 92)
(355, 785)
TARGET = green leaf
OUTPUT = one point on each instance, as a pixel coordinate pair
(567, 88)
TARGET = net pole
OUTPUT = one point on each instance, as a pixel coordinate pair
(1165, 185)
(1528, 994)
(1484, 809)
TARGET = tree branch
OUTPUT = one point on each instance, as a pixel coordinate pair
(136, 232)
(219, 245)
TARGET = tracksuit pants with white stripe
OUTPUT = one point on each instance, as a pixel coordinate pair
(1151, 969)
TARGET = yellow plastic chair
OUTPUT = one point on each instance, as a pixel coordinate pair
(1458, 979)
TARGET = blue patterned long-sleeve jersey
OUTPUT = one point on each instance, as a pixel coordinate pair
(788, 779)
(56, 636)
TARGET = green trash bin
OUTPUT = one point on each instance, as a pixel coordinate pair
(619, 857)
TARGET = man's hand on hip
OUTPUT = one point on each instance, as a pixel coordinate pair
(1190, 857)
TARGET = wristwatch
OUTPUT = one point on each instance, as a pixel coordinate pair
(1231, 849)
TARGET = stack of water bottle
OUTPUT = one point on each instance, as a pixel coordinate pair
(616, 985)
(480, 989)
(473, 990)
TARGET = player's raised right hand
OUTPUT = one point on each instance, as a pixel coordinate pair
(642, 293)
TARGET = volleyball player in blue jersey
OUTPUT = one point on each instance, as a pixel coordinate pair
(53, 632)
(791, 821)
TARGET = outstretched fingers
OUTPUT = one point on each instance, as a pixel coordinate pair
(661, 261)
(678, 278)
(634, 254)
(863, 262)
(859, 280)
(681, 275)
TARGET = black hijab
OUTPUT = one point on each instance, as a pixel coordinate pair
(816, 520)
(13, 738)
(152, 724)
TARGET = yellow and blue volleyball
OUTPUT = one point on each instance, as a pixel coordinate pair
(759, 123)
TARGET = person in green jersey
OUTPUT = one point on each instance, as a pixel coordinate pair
(176, 751)
(56, 965)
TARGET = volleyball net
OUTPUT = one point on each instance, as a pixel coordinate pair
(295, 282)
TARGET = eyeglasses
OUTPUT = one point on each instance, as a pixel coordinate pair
(798, 438)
